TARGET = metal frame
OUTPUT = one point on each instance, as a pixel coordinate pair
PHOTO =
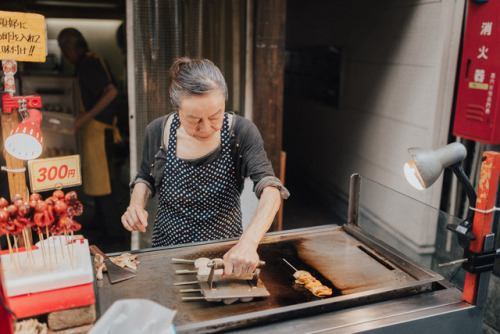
(427, 287)
(427, 313)
(416, 307)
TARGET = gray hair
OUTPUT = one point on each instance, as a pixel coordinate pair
(194, 77)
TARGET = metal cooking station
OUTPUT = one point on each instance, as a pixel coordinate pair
(375, 287)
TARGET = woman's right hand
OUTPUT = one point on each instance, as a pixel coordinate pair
(135, 218)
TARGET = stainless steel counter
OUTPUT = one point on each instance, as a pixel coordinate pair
(374, 287)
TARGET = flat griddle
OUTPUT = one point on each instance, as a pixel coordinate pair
(359, 269)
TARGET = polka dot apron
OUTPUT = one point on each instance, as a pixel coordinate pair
(197, 202)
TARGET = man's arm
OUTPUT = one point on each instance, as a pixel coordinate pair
(109, 93)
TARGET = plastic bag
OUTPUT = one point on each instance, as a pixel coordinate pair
(135, 316)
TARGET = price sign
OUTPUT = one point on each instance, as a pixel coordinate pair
(54, 173)
(22, 36)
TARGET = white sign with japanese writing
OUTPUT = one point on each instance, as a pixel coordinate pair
(54, 173)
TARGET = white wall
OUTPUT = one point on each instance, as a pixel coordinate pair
(100, 36)
(399, 62)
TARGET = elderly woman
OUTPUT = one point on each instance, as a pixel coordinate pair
(196, 160)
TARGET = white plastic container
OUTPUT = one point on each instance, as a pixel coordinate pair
(58, 264)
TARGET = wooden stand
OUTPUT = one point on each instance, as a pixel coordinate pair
(17, 180)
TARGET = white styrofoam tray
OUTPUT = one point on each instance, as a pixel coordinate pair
(25, 275)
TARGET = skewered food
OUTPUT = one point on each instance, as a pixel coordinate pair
(55, 214)
(201, 262)
(312, 284)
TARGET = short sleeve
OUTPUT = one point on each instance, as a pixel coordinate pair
(256, 164)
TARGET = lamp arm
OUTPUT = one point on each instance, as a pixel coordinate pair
(469, 190)
(464, 229)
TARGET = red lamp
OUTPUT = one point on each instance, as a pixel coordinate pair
(25, 141)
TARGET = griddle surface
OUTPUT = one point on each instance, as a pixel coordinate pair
(329, 254)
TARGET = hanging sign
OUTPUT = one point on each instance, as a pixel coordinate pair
(54, 173)
(22, 37)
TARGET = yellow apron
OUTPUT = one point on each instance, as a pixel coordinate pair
(95, 164)
(96, 180)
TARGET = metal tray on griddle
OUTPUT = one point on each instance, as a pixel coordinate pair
(228, 289)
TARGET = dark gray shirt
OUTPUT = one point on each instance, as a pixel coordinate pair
(247, 149)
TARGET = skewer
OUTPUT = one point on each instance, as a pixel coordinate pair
(67, 242)
(185, 271)
(193, 298)
(60, 243)
(27, 250)
(72, 243)
(54, 245)
(290, 264)
(189, 290)
(68, 248)
(17, 250)
(453, 262)
(40, 237)
(26, 246)
(48, 245)
(28, 237)
(186, 283)
(10, 247)
(174, 260)
(12, 258)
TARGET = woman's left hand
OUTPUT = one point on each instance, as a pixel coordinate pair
(240, 260)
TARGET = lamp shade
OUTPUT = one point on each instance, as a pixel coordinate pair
(25, 141)
(427, 165)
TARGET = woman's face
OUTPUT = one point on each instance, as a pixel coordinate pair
(202, 115)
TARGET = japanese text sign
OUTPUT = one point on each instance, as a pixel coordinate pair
(477, 104)
(54, 173)
(22, 36)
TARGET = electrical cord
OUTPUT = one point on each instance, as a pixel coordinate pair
(7, 309)
(485, 211)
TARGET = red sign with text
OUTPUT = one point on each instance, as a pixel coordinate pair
(54, 173)
(476, 113)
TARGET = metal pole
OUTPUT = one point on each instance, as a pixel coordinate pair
(353, 210)
(134, 242)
